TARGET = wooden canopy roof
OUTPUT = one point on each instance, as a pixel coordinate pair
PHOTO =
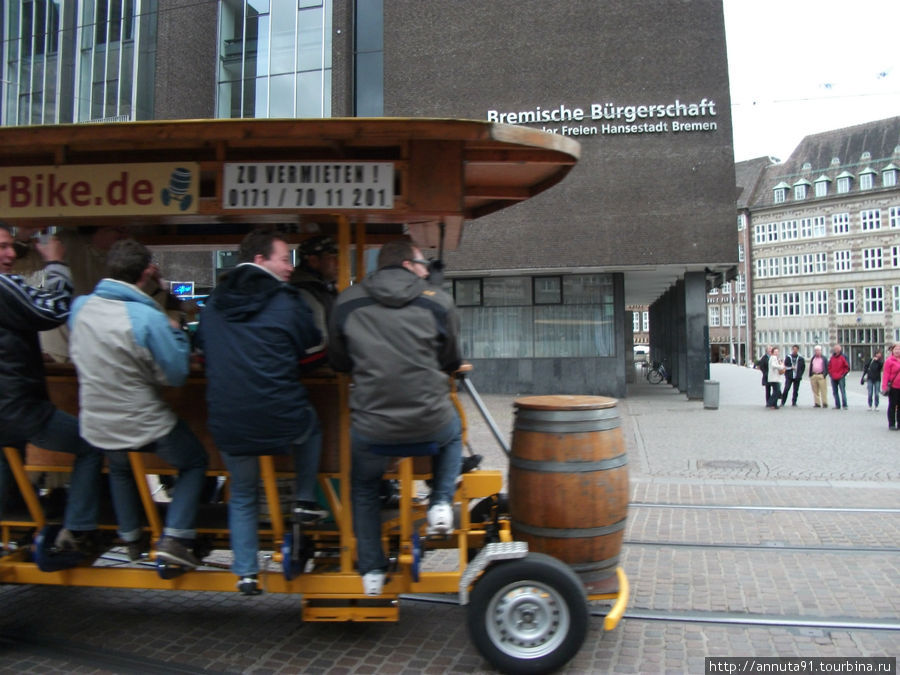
(444, 171)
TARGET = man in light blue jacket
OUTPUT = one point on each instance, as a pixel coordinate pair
(125, 350)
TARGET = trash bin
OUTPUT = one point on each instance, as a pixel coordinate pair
(711, 394)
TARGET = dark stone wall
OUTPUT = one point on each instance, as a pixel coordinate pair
(186, 67)
(633, 199)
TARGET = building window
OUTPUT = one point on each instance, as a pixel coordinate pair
(726, 288)
(635, 322)
(790, 265)
(369, 76)
(759, 234)
(889, 176)
(895, 256)
(645, 322)
(761, 268)
(894, 217)
(800, 191)
(713, 316)
(846, 300)
(773, 304)
(821, 263)
(714, 291)
(806, 265)
(740, 284)
(872, 259)
(842, 261)
(772, 232)
(742, 222)
(726, 315)
(873, 297)
(819, 229)
(790, 304)
(866, 180)
(742, 315)
(467, 292)
(789, 230)
(740, 253)
(843, 184)
(870, 220)
(274, 59)
(815, 303)
(822, 186)
(896, 292)
(840, 223)
(774, 267)
(780, 195)
(547, 290)
(507, 324)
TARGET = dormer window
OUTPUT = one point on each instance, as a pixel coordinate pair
(822, 186)
(867, 178)
(801, 189)
(779, 193)
(843, 182)
(889, 175)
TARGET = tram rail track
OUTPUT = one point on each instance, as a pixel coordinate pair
(763, 508)
(768, 546)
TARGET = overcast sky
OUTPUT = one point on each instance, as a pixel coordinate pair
(798, 67)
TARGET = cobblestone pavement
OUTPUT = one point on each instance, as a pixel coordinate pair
(789, 516)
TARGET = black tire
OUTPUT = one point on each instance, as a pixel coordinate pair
(654, 376)
(483, 508)
(528, 615)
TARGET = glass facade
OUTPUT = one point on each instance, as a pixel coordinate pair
(274, 58)
(78, 60)
(368, 94)
(525, 317)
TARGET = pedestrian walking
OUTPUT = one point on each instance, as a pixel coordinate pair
(871, 377)
(776, 370)
(838, 367)
(890, 386)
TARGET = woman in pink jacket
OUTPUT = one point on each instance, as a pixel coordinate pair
(890, 380)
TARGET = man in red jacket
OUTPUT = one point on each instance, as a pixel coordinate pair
(837, 371)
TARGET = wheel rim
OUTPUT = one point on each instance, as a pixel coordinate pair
(527, 619)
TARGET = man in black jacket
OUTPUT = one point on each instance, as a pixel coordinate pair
(254, 331)
(26, 413)
(398, 336)
(795, 366)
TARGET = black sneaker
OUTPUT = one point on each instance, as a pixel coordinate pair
(136, 549)
(309, 513)
(172, 551)
(86, 543)
(249, 585)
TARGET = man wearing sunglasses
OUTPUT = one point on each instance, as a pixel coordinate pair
(398, 336)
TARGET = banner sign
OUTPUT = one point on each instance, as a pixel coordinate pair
(99, 190)
(309, 185)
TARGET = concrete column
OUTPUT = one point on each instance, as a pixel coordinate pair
(696, 335)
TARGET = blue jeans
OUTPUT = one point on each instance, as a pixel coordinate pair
(839, 386)
(243, 504)
(874, 390)
(367, 471)
(60, 434)
(180, 448)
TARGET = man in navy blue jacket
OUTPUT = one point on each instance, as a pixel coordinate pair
(254, 331)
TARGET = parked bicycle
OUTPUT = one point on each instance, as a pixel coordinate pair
(657, 373)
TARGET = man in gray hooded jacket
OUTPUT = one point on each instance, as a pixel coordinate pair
(398, 336)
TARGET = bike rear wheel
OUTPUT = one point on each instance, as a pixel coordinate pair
(654, 376)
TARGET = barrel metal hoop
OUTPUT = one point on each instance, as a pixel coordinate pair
(595, 566)
(566, 427)
(567, 415)
(543, 466)
(567, 533)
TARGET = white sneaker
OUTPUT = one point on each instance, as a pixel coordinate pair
(373, 582)
(440, 518)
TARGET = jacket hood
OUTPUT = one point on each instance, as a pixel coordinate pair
(113, 289)
(245, 291)
(394, 286)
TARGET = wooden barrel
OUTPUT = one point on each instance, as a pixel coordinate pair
(568, 483)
